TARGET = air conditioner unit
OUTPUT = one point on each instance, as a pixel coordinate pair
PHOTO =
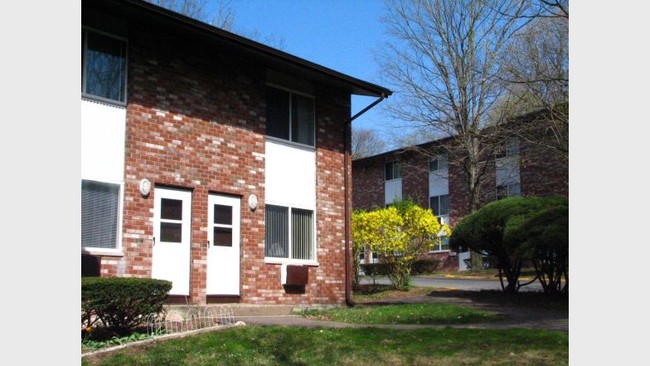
(294, 275)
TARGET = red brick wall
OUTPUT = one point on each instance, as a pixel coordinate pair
(196, 120)
(543, 172)
(415, 178)
(368, 183)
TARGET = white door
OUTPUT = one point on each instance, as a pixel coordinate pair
(171, 241)
(223, 245)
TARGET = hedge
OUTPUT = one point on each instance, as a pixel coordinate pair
(121, 304)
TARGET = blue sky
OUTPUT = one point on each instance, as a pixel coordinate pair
(341, 35)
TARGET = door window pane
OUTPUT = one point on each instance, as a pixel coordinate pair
(222, 215)
(171, 209)
(171, 232)
(223, 236)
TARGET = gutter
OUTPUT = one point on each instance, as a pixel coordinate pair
(347, 131)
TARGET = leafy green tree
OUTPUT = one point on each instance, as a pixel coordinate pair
(545, 241)
(501, 228)
(399, 234)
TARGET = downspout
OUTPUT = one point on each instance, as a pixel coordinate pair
(347, 130)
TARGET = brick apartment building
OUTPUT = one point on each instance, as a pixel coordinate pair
(424, 174)
(213, 161)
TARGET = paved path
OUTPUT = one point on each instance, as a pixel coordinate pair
(470, 284)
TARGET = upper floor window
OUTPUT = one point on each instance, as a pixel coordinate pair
(505, 190)
(439, 205)
(393, 170)
(103, 66)
(290, 116)
(510, 148)
(438, 162)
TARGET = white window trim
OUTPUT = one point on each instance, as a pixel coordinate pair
(280, 260)
(289, 141)
(126, 68)
(117, 251)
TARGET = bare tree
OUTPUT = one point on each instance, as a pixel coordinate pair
(535, 72)
(222, 17)
(366, 142)
(443, 64)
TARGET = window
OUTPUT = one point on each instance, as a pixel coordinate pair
(438, 162)
(222, 225)
(506, 190)
(393, 170)
(439, 205)
(511, 148)
(103, 67)
(99, 214)
(443, 245)
(290, 116)
(289, 233)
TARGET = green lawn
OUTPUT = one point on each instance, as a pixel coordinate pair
(273, 345)
(436, 313)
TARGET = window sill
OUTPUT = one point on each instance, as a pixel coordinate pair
(288, 143)
(439, 251)
(100, 100)
(301, 262)
(103, 253)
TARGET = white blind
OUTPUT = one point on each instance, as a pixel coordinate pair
(301, 234)
(99, 209)
(277, 231)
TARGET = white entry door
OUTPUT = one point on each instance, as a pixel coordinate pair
(172, 235)
(223, 245)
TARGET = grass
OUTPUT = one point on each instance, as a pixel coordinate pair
(273, 345)
(431, 314)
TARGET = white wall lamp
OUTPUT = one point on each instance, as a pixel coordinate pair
(145, 187)
(252, 202)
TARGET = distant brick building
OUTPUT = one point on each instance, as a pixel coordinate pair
(212, 161)
(423, 174)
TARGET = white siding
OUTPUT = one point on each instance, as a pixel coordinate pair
(290, 175)
(393, 190)
(102, 141)
(439, 182)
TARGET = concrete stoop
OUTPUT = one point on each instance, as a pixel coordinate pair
(238, 310)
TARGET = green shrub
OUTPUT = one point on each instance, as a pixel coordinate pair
(515, 231)
(121, 304)
(425, 266)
